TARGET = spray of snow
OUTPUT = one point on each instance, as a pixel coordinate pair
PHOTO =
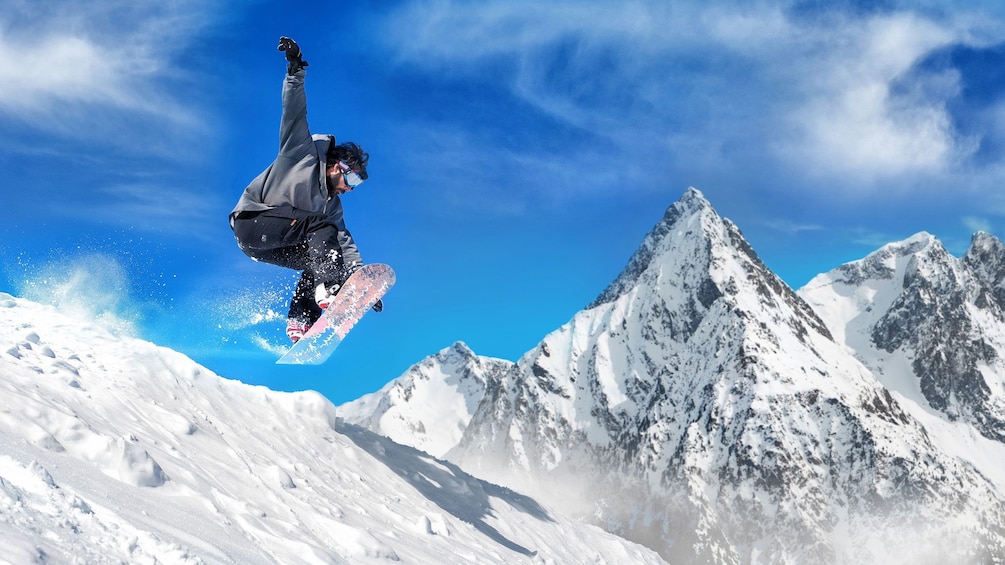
(249, 307)
(97, 288)
(254, 315)
(93, 287)
(271, 346)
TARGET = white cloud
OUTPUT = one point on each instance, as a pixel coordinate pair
(722, 84)
(551, 50)
(55, 69)
(794, 228)
(975, 224)
(151, 207)
(84, 68)
(96, 106)
(436, 32)
(850, 122)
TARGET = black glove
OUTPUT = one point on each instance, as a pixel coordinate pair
(293, 55)
(378, 306)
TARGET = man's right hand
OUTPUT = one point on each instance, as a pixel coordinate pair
(291, 48)
(293, 54)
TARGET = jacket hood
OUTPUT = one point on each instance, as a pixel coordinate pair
(322, 141)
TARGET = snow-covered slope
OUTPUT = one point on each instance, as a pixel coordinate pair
(702, 408)
(931, 326)
(113, 450)
(431, 404)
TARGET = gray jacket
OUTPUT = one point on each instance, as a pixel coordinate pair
(297, 176)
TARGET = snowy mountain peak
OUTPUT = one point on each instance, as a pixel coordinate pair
(986, 258)
(882, 264)
(982, 242)
(459, 352)
(694, 257)
(668, 386)
(693, 200)
(684, 214)
(448, 386)
(701, 407)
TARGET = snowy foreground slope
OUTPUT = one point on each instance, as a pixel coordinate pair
(115, 450)
(702, 408)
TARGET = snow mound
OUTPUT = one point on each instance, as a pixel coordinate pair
(117, 450)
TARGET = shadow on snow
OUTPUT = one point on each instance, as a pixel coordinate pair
(446, 485)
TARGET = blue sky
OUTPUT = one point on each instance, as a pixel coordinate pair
(519, 153)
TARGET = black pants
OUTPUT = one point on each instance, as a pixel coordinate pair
(292, 238)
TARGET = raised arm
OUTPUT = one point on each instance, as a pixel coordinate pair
(294, 134)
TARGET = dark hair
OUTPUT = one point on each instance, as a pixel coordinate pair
(350, 154)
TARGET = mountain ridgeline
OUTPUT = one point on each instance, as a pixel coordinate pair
(701, 407)
(915, 304)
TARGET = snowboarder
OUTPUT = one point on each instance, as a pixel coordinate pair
(291, 214)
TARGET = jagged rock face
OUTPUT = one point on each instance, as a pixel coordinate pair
(702, 408)
(940, 315)
(986, 260)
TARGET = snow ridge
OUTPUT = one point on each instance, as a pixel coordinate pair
(440, 393)
(114, 450)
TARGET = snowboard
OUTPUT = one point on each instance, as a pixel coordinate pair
(359, 293)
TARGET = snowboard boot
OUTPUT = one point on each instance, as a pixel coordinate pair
(296, 329)
(325, 293)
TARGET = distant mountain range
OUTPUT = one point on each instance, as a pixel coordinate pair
(702, 408)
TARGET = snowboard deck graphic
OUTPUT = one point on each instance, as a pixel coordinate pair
(359, 293)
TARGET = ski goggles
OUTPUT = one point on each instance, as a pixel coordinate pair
(351, 177)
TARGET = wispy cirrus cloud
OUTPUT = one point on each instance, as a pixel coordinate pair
(97, 109)
(794, 228)
(97, 69)
(798, 87)
(976, 224)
